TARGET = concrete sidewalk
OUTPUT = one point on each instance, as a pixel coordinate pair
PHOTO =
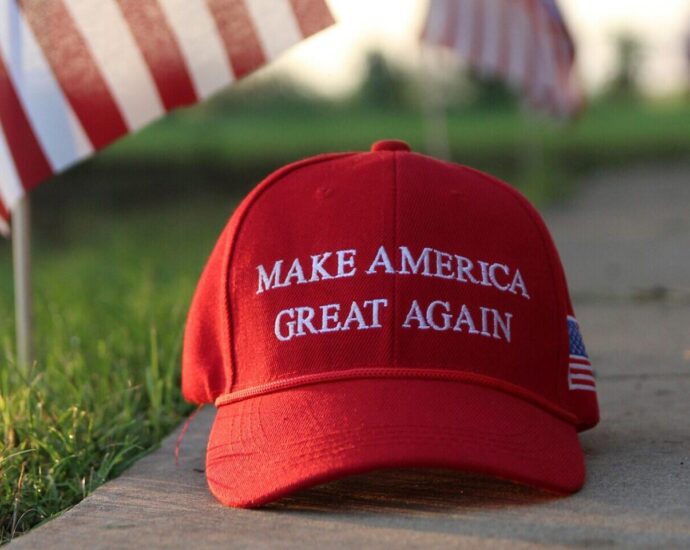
(625, 242)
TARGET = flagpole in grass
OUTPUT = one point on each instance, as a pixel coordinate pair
(21, 251)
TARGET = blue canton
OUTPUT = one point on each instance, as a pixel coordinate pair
(577, 345)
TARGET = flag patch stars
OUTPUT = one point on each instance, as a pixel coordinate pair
(580, 373)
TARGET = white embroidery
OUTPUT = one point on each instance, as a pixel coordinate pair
(296, 272)
(464, 318)
(304, 320)
(492, 276)
(345, 267)
(381, 259)
(503, 324)
(266, 281)
(415, 314)
(444, 265)
(408, 265)
(485, 273)
(375, 322)
(429, 263)
(317, 271)
(439, 316)
(346, 258)
(465, 266)
(445, 316)
(518, 282)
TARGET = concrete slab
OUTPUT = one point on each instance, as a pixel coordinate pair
(626, 235)
(638, 459)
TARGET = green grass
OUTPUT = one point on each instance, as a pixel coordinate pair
(539, 156)
(110, 305)
(499, 141)
(120, 245)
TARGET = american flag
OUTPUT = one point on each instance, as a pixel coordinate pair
(580, 373)
(75, 75)
(524, 42)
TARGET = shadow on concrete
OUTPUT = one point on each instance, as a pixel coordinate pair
(407, 490)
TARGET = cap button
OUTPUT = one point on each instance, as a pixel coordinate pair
(390, 145)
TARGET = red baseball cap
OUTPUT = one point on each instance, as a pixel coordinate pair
(386, 309)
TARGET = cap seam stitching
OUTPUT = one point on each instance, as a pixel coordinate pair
(394, 332)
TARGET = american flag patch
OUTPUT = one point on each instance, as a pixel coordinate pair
(580, 373)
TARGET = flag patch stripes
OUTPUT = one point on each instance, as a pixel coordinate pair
(580, 373)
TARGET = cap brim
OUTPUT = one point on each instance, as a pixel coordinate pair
(269, 446)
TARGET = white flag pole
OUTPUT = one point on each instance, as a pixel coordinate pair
(21, 251)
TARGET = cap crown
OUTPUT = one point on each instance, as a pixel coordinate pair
(386, 263)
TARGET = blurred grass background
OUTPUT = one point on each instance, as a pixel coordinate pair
(121, 240)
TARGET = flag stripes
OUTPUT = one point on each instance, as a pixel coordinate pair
(239, 35)
(160, 51)
(117, 54)
(490, 50)
(10, 184)
(24, 156)
(50, 117)
(477, 34)
(519, 45)
(275, 25)
(311, 16)
(525, 42)
(200, 44)
(463, 34)
(580, 373)
(4, 215)
(81, 80)
(450, 29)
(77, 74)
(436, 22)
(581, 377)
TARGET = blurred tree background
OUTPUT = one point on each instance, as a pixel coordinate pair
(625, 82)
